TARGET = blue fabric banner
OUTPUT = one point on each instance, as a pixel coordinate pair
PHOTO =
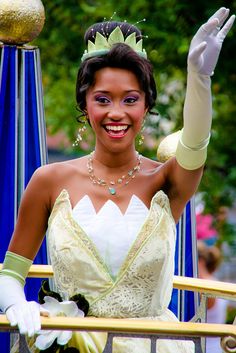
(184, 303)
(31, 153)
(8, 127)
(22, 145)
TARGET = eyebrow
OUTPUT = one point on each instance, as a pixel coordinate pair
(127, 91)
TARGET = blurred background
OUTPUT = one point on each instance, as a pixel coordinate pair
(167, 31)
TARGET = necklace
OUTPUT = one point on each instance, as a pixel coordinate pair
(112, 184)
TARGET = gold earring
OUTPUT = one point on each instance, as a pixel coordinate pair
(79, 137)
(141, 136)
(141, 139)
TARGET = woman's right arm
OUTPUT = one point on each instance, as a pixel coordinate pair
(26, 240)
(33, 215)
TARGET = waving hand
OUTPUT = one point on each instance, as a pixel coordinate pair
(206, 45)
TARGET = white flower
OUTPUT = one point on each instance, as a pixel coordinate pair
(56, 308)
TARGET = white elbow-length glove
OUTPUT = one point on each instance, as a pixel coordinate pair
(203, 54)
(20, 312)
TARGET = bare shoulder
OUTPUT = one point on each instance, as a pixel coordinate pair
(156, 170)
(52, 178)
(150, 165)
(51, 172)
(154, 174)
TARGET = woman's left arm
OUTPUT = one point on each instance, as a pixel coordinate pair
(202, 58)
(185, 172)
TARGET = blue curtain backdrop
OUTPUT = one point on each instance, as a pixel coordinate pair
(22, 144)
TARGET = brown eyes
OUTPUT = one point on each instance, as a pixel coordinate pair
(102, 99)
(126, 100)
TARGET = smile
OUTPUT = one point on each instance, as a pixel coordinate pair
(116, 130)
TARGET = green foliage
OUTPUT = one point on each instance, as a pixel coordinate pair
(170, 25)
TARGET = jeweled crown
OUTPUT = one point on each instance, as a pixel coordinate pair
(102, 45)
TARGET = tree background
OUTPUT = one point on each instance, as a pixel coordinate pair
(168, 29)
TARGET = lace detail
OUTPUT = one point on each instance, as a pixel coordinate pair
(63, 212)
(159, 208)
(68, 244)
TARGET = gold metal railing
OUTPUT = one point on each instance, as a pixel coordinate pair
(147, 327)
(138, 326)
(215, 288)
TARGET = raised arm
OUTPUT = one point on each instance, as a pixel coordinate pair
(203, 55)
(191, 150)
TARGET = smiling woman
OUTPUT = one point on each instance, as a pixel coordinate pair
(111, 215)
(115, 112)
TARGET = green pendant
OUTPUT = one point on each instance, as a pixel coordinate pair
(112, 191)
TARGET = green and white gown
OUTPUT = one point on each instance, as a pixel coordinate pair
(122, 264)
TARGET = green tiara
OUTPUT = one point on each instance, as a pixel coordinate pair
(102, 45)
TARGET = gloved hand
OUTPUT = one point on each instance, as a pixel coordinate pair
(203, 54)
(26, 315)
(20, 312)
(206, 45)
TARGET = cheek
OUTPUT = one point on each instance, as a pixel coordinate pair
(139, 115)
(93, 112)
(95, 117)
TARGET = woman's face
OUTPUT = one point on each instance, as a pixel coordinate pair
(115, 106)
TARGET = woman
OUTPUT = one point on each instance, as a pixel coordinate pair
(111, 215)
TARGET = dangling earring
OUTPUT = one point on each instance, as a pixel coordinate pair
(141, 139)
(81, 130)
(141, 136)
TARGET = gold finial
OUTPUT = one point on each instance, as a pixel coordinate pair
(20, 20)
(167, 147)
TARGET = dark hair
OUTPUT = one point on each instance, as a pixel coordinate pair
(105, 28)
(211, 255)
(121, 56)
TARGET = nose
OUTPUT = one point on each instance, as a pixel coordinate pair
(116, 112)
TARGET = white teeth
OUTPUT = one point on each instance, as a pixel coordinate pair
(116, 128)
